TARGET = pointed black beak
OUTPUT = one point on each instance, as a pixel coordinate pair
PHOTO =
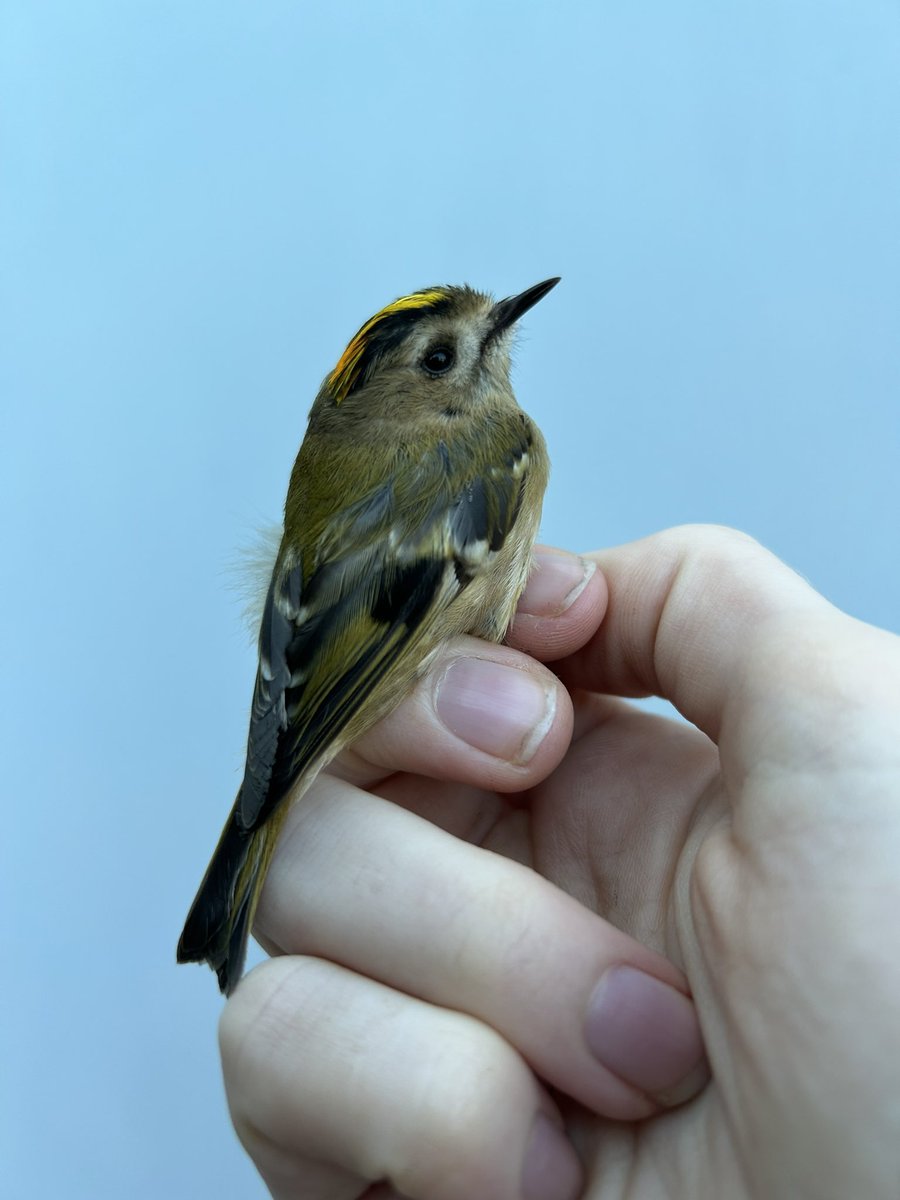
(507, 312)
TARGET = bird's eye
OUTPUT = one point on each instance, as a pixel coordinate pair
(438, 360)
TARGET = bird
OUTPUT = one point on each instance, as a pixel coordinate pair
(410, 516)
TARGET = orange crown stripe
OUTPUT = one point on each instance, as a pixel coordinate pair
(344, 375)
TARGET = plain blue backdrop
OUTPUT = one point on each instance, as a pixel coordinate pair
(200, 203)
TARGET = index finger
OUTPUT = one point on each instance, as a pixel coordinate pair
(686, 610)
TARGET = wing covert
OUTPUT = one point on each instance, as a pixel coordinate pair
(385, 571)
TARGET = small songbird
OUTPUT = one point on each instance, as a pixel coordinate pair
(410, 516)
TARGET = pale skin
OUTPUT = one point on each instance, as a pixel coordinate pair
(480, 989)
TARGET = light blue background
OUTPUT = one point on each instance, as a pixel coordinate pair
(200, 203)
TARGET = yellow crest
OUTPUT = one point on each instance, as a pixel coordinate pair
(350, 365)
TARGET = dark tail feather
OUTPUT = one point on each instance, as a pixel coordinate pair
(218, 926)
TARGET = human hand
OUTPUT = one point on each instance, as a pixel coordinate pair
(766, 870)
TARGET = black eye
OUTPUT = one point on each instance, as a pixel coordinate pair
(438, 360)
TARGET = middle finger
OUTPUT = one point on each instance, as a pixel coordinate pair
(363, 882)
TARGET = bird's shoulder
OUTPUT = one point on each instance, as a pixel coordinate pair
(392, 494)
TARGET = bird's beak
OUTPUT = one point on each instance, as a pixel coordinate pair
(507, 312)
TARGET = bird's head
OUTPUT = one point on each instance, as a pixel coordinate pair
(441, 351)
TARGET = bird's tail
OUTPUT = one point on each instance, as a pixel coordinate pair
(218, 925)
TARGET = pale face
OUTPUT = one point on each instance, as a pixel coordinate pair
(438, 353)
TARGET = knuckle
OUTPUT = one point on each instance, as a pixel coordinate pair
(256, 1017)
(472, 1102)
(714, 541)
(431, 1099)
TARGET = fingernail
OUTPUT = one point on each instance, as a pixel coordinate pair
(646, 1033)
(551, 1170)
(555, 583)
(501, 710)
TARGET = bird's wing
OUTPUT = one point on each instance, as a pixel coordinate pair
(387, 569)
